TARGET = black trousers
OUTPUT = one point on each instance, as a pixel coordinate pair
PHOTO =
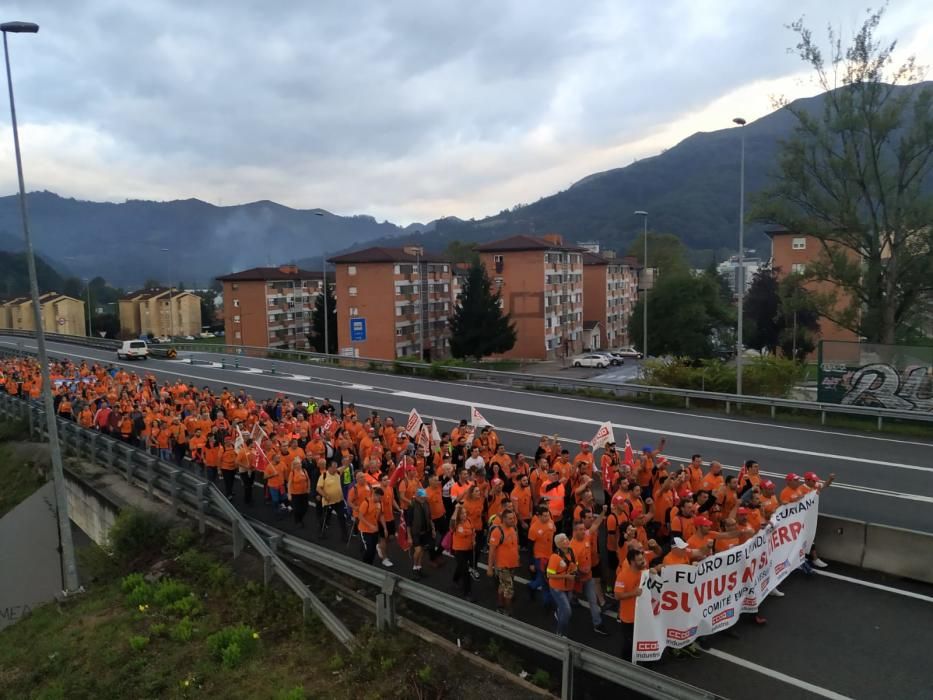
(248, 479)
(229, 477)
(462, 572)
(300, 507)
(628, 636)
(369, 546)
(335, 509)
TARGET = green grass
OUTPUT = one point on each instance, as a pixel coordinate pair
(18, 473)
(128, 637)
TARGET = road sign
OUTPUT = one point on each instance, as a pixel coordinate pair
(357, 330)
(61, 321)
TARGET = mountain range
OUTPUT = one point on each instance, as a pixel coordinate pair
(690, 190)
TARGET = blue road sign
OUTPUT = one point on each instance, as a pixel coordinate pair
(357, 330)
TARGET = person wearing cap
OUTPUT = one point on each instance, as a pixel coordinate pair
(421, 530)
(584, 459)
(811, 482)
(791, 492)
(553, 492)
(705, 535)
(769, 501)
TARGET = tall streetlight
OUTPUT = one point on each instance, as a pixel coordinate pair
(741, 277)
(644, 303)
(69, 569)
(171, 310)
(90, 311)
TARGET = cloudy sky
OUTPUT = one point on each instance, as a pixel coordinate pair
(403, 110)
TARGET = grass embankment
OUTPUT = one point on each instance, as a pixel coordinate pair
(19, 472)
(165, 618)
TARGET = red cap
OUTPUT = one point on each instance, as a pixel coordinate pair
(811, 476)
(793, 477)
(742, 511)
(687, 496)
(584, 444)
(702, 521)
(767, 484)
(617, 499)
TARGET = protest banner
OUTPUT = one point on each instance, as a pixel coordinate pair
(604, 435)
(686, 601)
(413, 427)
(477, 420)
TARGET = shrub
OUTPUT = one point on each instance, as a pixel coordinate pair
(296, 693)
(183, 630)
(131, 582)
(138, 643)
(761, 376)
(180, 539)
(231, 644)
(159, 629)
(195, 564)
(168, 590)
(135, 534)
(189, 606)
(541, 678)
(140, 595)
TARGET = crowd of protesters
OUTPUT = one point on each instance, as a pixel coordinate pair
(574, 528)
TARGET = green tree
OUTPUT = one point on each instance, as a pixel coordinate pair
(666, 252)
(206, 298)
(316, 337)
(461, 252)
(686, 317)
(478, 327)
(800, 319)
(107, 323)
(762, 322)
(857, 177)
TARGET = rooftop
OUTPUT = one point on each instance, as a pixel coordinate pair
(380, 254)
(266, 274)
(525, 242)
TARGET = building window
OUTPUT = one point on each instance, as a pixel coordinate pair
(799, 244)
(237, 335)
(236, 319)
(234, 286)
(798, 268)
(351, 270)
(351, 291)
(445, 268)
(236, 303)
(354, 311)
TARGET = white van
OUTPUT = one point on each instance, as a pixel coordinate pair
(133, 350)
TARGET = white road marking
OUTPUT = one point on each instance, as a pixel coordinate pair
(864, 489)
(691, 436)
(777, 675)
(876, 586)
(666, 411)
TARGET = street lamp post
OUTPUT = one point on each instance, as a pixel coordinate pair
(90, 311)
(739, 346)
(69, 568)
(171, 310)
(644, 304)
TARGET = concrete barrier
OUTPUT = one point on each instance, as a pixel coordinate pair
(89, 509)
(841, 539)
(900, 552)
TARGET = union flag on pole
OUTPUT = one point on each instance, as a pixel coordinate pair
(435, 433)
(413, 427)
(477, 420)
(629, 456)
(258, 434)
(327, 425)
(239, 441)
(424, 440)
(603, 436)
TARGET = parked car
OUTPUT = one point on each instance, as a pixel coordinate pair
(207, 334)
(133, 350)
(590, 360)
(188, 337)
(618, 358)
(630, 353)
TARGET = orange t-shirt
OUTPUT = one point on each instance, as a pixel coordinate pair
(462, 538)
(298, 482)
(583, 553)
(435, 501)
(369, 515)
(559, 564)
(542, 534)
(522, 500)
(505, 540)
(627, 580)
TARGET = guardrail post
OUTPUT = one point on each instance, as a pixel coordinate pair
(773, 411)
(823, 417)
(880, 419)
(268, 571)
(150, 474)
(173, 487)
(275, 542)
(728, 406)
(686, 402)
(385, 604)
(566, 681)
(237, 533)
(200, 489)
(130, 465)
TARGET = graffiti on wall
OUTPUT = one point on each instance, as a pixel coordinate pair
(878, 384)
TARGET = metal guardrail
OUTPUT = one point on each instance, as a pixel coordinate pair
(521, 379)
(187, 492)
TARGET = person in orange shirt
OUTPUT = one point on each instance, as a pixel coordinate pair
(246, 458)
(695, 473)
(462, 543)
(714, 479)
(196, 447)
(522, 502)
(86, 417)
(370, 522)
(228, 467)
(561, 576)
(473, 504)
(435, 497)
(627, 589)
(299, 486)
(389, 510)
(503, 560)
(582, 545)
(791, 492)
(212, 453)
(541, 533)
(275, 480)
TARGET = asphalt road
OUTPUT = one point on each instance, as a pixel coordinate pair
(879, 479)
(843, 633)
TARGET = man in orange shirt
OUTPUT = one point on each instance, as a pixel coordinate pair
(522, 502)
(561, 575)
(370, 522)
(714, 479)
(791, 492)
(503, 560)
(627, 589)
(582, 545)
(541, 532)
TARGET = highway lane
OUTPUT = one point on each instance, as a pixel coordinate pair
(886, 480)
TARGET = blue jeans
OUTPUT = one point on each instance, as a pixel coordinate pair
(539, 582)
(596, 613)
(165, 455)
(562, 603)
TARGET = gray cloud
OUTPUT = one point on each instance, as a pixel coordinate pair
(395, 108)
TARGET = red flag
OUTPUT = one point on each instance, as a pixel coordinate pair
(628, 456)
(401, 536)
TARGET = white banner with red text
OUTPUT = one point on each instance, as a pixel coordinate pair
(686, 601)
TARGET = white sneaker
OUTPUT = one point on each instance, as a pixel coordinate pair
(819, 563)
(777, 593)
(387, 563)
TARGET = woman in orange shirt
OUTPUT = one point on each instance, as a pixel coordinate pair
(211, 457)
(463, 536)
(299, 486)
(473, 505)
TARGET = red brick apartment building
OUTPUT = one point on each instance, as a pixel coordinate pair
(270, 306)
(393, 293)
(541, 282)
(610, 290)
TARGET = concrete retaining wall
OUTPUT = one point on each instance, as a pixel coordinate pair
(89, 509)
(841, 539)
(900, 552)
